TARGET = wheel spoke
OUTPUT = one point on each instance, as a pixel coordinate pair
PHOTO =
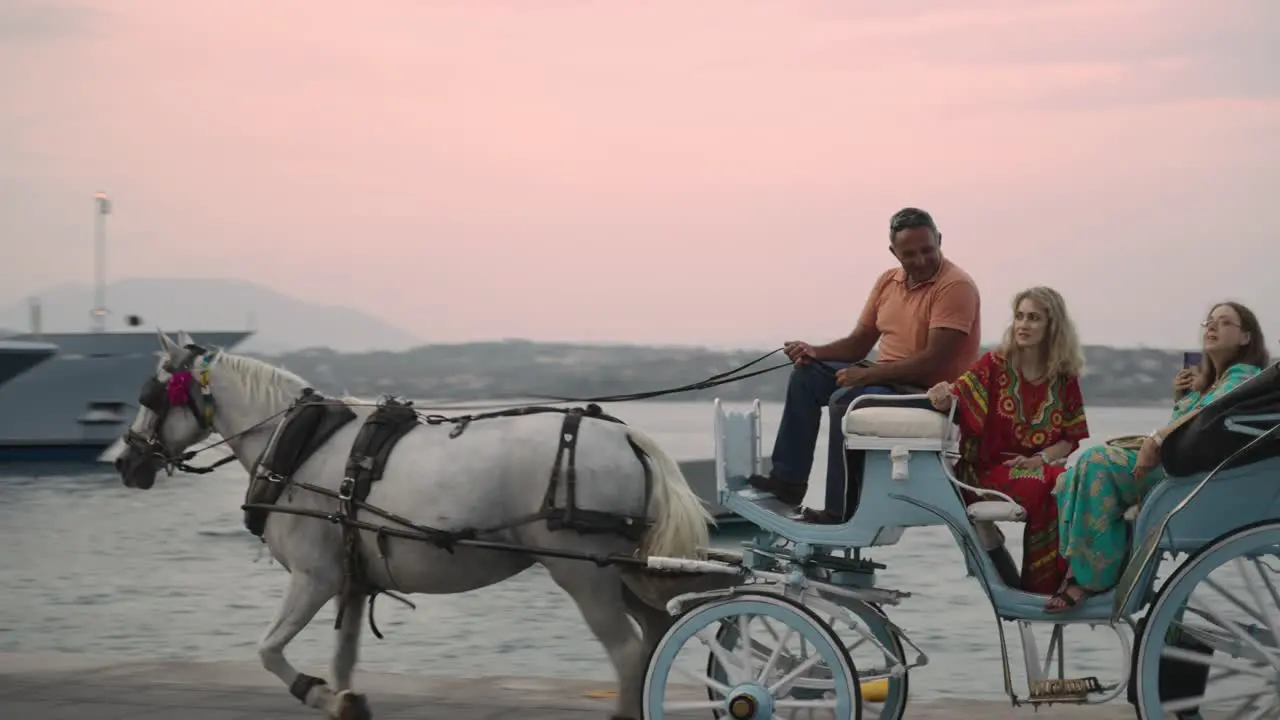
(731, 668)
(1255, 583)
(1235, 629)
(1235, 665)
(681, 705)
(1239, 713)
(1266, 579)
(707, 682)
(767, 670)
(1183, 704)
(799, 670)
(825, 704)
(1231, 598)
(746, 649)
(1268, 710)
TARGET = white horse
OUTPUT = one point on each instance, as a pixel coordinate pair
(493, 473)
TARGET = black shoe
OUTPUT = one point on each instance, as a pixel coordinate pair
(819, 517)
(789, 493)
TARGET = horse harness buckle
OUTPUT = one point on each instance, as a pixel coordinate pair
(347, 489)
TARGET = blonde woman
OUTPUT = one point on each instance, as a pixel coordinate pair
(1020, 412)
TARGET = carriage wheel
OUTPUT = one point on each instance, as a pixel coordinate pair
(753, 689)
(888, 699)
(1214, 631)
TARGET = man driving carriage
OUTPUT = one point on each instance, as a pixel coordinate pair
(924, 314)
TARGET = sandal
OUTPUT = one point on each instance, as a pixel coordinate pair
(1065, 599)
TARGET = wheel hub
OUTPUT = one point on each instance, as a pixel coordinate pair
(750, 702)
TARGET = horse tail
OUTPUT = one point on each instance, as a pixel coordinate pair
(680, 517)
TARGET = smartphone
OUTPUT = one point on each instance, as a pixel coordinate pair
(1191, 359)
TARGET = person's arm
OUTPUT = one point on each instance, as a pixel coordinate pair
(1234, 377)
(1057, 451)
(954, 311)
(856, 345)
(972, 391)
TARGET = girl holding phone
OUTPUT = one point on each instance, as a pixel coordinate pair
(1094, 494)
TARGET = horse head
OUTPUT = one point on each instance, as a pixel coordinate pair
(174, 412)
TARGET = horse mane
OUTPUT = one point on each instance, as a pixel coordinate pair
(263, 380)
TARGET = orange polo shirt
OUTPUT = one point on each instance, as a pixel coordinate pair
(904, 316)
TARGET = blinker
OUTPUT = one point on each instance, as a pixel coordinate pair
(154, 395)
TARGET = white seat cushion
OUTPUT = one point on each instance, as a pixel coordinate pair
(897, 422)
(996, 511)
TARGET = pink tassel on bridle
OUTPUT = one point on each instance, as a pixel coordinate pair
(179, 388)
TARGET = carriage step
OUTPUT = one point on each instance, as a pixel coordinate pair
(1064, 689)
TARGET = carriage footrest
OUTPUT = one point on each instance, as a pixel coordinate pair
(1064, 689)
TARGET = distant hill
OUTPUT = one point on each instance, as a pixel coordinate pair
(281, 323)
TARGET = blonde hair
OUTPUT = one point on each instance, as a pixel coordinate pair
(1063, 355)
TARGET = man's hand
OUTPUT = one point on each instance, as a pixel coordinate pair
(799, 351)
(853, 376)
(940, 396)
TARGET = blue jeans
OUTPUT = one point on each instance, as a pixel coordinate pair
(809, 389)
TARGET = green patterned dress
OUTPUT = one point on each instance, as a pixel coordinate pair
(1094, 493)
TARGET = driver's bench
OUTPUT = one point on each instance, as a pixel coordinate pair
(887, 423)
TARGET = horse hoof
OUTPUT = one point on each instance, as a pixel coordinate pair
(350, 706)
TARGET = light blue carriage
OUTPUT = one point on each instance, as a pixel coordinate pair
(1218, 638)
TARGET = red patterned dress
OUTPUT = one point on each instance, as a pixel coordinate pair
(1002, 416)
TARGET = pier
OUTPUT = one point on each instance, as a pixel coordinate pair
(81, 687)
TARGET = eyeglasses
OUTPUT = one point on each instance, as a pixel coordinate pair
(1218, 323)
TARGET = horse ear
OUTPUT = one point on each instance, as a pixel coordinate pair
(184, 339)
(167, 346)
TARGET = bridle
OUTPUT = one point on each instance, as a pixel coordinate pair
(188, 385)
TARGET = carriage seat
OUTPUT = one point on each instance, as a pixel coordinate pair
(865, 422)
(1209, 438)
(897, 422)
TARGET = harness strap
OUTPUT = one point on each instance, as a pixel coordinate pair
(568, 445)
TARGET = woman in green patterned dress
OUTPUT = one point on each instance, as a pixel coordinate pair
(1094, 494)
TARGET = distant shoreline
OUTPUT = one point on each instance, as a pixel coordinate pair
(477, 373)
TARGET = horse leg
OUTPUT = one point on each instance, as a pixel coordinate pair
(598, 594)
(654, 623)
(304, 598)
(346, 704)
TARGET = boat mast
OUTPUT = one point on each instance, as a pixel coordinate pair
(102, 208)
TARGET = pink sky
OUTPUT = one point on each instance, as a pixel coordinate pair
(708, 171)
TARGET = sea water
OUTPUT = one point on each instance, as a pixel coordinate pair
(89, 566)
